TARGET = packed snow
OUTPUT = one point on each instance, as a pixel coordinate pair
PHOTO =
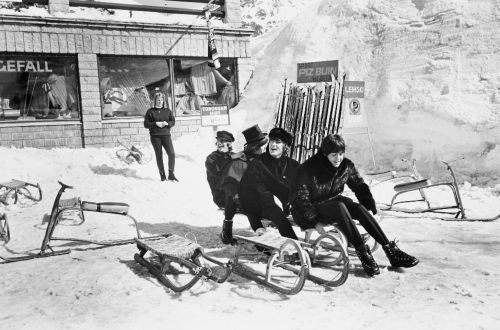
(455, 286)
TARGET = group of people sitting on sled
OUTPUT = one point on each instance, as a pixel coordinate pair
(250, 182)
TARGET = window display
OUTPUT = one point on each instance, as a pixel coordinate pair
(35, 87)
(127, 84)
(197, 84)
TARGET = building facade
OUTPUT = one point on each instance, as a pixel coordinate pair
(86, 83)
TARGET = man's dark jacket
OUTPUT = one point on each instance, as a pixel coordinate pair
(215, 164)
(318, 181)
(266, 176)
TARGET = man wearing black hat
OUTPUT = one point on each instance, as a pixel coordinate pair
(267, 177)
(232, 174)
(216, 162)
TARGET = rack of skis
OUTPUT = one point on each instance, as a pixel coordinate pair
(310, 112)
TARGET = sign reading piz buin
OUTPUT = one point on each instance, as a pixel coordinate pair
(317, 71)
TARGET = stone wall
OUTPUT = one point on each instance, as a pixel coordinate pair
(89, 39)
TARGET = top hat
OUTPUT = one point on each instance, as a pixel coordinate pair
(280, 133)
(224, 136)
(253, 135)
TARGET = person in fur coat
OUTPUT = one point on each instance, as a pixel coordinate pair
(317, 200)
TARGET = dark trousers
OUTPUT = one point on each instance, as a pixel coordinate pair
(342, 211)
(159, 141)
(275, 214)
(230, 202)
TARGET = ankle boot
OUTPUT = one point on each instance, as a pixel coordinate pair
(226, 235)
(369, 264)
(163, 177)
(397, 257)
(171, 176)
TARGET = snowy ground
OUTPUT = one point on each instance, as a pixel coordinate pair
(456, 284)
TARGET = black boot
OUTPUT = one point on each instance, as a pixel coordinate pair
(369, 264)
(397, 257)
(171, 176)
(226, 234)
(163, 177)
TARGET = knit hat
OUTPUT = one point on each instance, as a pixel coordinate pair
(224, 136)
(332, 143)
(280, 133)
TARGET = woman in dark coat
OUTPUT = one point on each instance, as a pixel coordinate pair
(317, 200)
(159, 120)
(267, 176)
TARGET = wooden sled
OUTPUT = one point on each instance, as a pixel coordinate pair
(456, 209)
(131, 154)
(178, 262)
(12, 189)
(287, 266)
(62, 206)
(75, 204)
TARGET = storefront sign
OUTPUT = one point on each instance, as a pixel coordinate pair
(214, 115)
(317, 71)
(24, 66)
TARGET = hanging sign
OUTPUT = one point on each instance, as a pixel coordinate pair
(317, 71)
(214, 115)
(354, 113)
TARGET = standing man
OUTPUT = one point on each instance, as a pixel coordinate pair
(159, 119)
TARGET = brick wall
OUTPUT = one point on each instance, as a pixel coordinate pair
(41, 136)
(88, 39)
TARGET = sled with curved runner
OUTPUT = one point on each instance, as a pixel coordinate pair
(178, 262)
(457, 209)
(11, 190)
(327, 256)
(287, 265)
(63, 206)
(132, 154)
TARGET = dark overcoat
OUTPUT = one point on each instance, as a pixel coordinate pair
(265, 178)
(215, 165)
(318, 181)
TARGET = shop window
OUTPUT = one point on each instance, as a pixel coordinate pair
(35, 87)
(196, 84)
(127, 84)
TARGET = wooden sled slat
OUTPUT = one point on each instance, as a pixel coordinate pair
(173, 248)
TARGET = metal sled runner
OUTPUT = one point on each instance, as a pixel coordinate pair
(287, 266)
(4, 229)
(179, 263)
(45, 249)
(12, 189)
(420, 185)
(62, 206)
(328, 257)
